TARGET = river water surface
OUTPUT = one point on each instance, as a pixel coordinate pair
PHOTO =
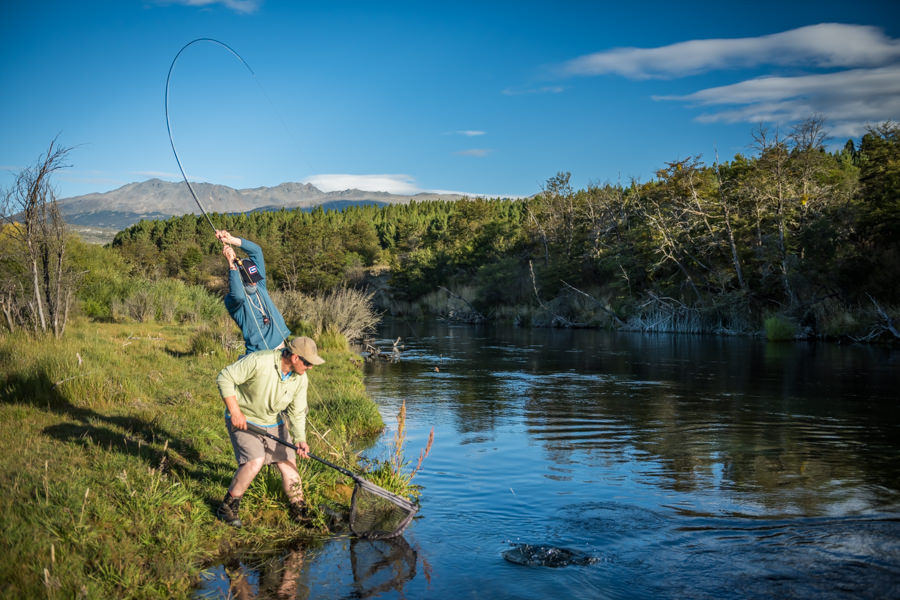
(685, 466)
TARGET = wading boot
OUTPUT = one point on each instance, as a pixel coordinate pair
(228, 510)
(298, 512)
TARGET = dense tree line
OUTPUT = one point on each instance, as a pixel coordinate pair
(792, 235)
(792, 230)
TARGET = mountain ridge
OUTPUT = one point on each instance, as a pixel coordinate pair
(158, 199)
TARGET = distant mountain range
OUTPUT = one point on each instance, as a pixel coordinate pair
(156, 199)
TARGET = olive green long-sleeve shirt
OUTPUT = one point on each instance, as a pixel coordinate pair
(262, 394)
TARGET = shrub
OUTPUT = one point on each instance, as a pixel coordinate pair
(347, 310)
(779, 328)
(206, 340)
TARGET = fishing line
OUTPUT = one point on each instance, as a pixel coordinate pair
(168, 123)
(234, 52)
(262, 90)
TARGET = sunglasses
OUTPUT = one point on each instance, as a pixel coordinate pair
(304, 361)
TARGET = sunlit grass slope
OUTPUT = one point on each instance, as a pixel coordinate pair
(114, 457)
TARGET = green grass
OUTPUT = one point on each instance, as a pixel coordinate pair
(779, 329)
(114, 457)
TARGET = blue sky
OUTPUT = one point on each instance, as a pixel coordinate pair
(485, 98)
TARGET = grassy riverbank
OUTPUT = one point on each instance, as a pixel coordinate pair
(114, 457)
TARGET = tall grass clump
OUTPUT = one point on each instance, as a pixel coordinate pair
(779, 329)
(217, 336)
(333, 339)
(394, 473)
(167, 301)
(344, 309)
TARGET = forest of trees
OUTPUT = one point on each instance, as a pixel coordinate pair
(792, 239)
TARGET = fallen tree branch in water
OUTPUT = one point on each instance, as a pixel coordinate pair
(558, 320)
(600, 305)
(887, 325)
(473, 316)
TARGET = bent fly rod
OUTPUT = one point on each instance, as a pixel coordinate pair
(169, 127)
(246, 266)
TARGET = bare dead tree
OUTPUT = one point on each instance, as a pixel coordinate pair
(727, 219)
(886, 325)
(558, 319)
(35, 227)
(776, 188)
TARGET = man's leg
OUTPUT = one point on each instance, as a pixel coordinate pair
(290, 477)
(244, 476)
(242, 479)
(293, 488)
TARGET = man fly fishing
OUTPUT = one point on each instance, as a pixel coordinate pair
(248, 300)
(262, 389)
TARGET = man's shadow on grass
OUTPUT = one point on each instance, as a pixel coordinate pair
(137, 437)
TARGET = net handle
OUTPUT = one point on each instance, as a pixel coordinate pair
(260, 431)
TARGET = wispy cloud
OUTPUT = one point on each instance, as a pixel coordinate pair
(849, 74)
(467, 132)
(240, 6)
(476, 152)
(826, 45)
(159, 174)
(549, 89)
(849, 100)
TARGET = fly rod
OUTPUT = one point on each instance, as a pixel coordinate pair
(169, 127)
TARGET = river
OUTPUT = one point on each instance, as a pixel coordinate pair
(683, 466)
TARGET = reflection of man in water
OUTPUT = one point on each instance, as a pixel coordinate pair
(378, 566)
(283, 580)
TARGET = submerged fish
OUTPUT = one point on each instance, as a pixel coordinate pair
(537, 555)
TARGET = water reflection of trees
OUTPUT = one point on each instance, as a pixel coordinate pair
(685, 442)
(795, 426)
(477, 401)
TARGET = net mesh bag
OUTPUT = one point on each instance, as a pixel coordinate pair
(376, 513)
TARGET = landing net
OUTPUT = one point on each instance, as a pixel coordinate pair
(376, 513)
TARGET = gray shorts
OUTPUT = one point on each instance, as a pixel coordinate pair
(248, 445)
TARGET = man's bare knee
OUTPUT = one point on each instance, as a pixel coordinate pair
(253, 465)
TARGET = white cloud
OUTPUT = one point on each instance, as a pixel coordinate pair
(158, 174)
(550, 89)
(477, 152)
(848, 74)
(393, 184)
(826, 45)
(468, 132)
(848, 100)
(241, 6)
